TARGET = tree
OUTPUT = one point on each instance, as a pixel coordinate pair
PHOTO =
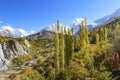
(86, 33)
(72, 45)
(97, 38)
(105, 33)
(69, 46)
(76, 44)
(117, 31)
(56, 40)
(62, 49)
(68, 37)
(58, 26)
(83, 35)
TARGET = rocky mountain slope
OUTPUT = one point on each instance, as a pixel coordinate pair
(11, 49)
(42, 34)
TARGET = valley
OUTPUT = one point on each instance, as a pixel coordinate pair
(45, 45)
(51, 55)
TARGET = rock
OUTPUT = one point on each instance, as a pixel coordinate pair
(9, 50)
(27, 43)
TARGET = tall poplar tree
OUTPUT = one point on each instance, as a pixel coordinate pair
(83, 35)
(97, 38)
(117, 30)
(101, 34)
(69, 46)
(67, 55)
(56, 42)
(56, 53)
(86, 33)
(62, 49)
(105, 33)
(58, 26)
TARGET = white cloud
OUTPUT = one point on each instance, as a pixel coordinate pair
(78, 21)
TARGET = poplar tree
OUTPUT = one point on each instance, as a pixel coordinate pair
(58, 26)
(101, 34)
(86, 33)
(83, 35)
(68, 55)
(69, 46)
(105, 33)
(117, 30)
(97, 38)
(62, 49)
(76, 43)
(56, 40)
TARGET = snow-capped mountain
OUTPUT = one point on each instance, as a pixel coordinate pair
(108, 17)
(76, 24)
(7, 30)
(53, 28)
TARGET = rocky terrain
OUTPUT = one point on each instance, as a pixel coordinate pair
(11, 49)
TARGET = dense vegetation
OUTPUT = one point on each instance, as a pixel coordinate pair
(88, 56)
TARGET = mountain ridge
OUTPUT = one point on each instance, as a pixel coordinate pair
(16, 33)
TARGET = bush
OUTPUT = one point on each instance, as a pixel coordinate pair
(29, 74)
(19, 60)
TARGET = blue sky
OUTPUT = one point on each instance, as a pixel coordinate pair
(37, 14)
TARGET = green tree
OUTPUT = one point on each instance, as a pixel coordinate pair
(83, 35)
(69, 46)
(105, 33)
(72, 47)
(58, 26)
(56, 40)
(67, 56)
(97, 38)
(62, 49)
(86, 33)
(101, 34)
(117, 31)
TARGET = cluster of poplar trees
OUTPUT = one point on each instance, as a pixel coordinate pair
(65, 44)
(101, 35)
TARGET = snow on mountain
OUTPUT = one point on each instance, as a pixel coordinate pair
(53, 28)
(76, 23)
(7, 30)
(108, 17)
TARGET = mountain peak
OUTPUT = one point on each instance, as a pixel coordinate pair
(108, 17)
(7, 30)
